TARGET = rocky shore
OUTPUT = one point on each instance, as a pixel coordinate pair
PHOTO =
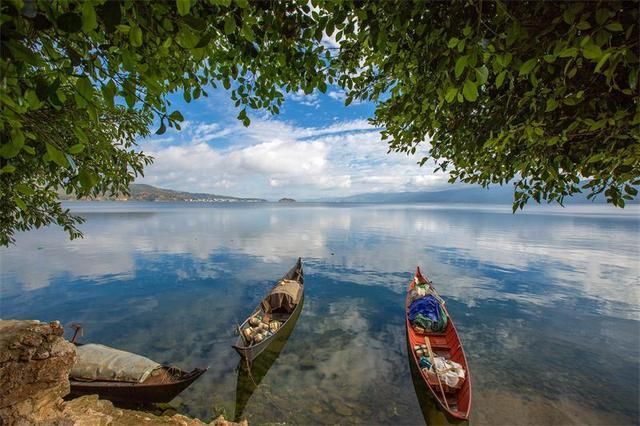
(35, 360)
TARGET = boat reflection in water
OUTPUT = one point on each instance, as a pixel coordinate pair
(251, 374)
(433, 415)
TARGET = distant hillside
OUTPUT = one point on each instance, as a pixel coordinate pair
(472, 195)
(143, 192)
(151, 193)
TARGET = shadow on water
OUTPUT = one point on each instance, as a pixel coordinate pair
(250, 375)
(433, 415)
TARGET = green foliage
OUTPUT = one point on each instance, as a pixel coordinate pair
(67, 66)
(103, 162)
(543, 94)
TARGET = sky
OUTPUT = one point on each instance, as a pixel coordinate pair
(315, 148)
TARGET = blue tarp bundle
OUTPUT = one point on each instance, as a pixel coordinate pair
(427, 306)
(427, 313)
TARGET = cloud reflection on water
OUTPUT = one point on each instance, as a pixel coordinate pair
(526, 292)
(587, 256)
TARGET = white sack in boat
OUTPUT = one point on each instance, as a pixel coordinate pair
(450, 372)
(99, 362)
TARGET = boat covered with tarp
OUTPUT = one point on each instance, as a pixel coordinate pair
(119, 375)
(272, 314)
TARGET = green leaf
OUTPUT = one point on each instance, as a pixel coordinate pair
(7, 169)
(183, 6)
(135, 36)
(500, 78)
(461, 63)
(552, 104)
(568, 52)
(176, 116)
(453, 42)
(602, 61)
(89, 21)
(482, 74)
(187, 39)
(80, 134)
(526, 67)
(451, 94)
(614, 26)
(229, 24)
(197, 24)
(583, 25)
(243, 117)
(109, 92)
(87, 179)
(21, 204)
(633, 78)
(162, 128)
(69, 22)
(76, 149)
(242, 3)
(84, 88)
(12, 148)
(569, 16)
(470, 91)
(591, 51)
(204, 41)
(601, 16)
(24, 189)
(56, 155)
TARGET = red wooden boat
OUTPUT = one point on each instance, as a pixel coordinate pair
(456, 402)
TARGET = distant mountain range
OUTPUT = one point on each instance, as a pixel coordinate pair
(471, 195)
(143, 192)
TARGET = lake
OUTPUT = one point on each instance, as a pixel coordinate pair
(546, 302)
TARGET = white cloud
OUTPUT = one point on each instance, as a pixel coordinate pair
(274, 158)
(311, 99)
(338, 95)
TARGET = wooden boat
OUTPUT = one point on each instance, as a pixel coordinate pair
(456, 402)
(279, 306)
(250, 376)
(162, 385)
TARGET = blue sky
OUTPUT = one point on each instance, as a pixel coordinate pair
(316, 147)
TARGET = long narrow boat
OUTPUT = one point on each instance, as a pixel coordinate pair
(283, 303)
(446, 344)
(126, 377)
(250, 376)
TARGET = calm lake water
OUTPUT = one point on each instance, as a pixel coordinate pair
(546, 304)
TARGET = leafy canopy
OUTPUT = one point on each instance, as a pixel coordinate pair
(544, 94)
(67, 65)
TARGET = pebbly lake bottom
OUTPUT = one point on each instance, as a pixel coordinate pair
(546, 304)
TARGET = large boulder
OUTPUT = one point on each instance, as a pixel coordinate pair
(34, 371)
